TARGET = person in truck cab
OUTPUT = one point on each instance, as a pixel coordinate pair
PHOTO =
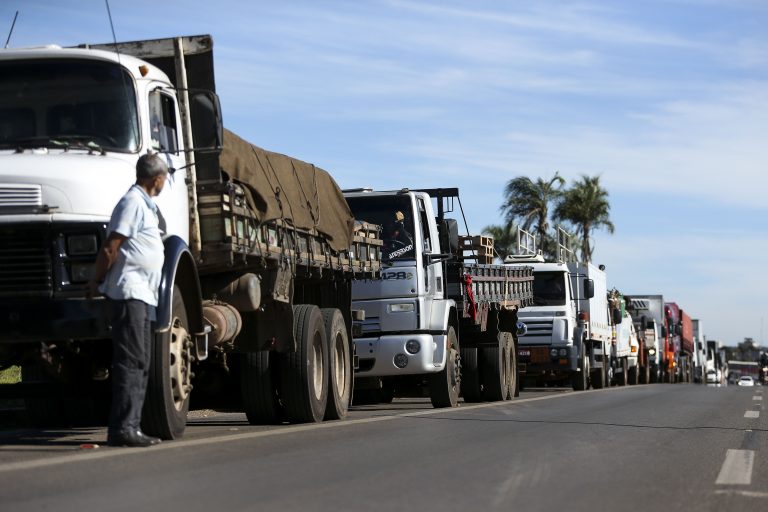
(397, 240)
(396, 231)
(128, 268)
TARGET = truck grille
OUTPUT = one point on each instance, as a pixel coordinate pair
(16, 195)
(25, 261)
(538, 327)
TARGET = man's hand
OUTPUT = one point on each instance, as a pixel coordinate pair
(92, 289)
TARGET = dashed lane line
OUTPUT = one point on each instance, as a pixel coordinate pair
(757, 398)
(752, 414)
(737, 468)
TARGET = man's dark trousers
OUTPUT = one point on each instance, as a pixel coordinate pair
(131, 350)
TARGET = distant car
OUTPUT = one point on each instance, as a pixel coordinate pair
(712, 377)
(746, 381)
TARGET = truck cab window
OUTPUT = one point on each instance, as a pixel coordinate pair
(549, 288)
(394, 215)
(162, 118)
(67, 103)
(424, 226)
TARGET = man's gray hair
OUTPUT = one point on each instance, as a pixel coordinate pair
(150, 166)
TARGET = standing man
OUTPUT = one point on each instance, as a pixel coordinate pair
(127, 271)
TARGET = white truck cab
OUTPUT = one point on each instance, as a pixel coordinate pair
(568, 333)
(406, 313)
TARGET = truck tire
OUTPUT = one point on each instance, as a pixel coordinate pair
(170, 373)
(601, 377)
(622, 380)
(496, 369)
(258, 374)
(644, 375)
(304, 373)
(339, 364)
(514, 388)
(580, 379)
(633, 376)
(445, 386)
(471, 388)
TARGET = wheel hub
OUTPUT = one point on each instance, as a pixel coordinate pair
(180, 363)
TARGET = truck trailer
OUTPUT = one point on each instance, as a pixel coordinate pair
(260, 249)
(442, 321)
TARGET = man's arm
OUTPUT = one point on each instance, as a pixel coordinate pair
(104, 260)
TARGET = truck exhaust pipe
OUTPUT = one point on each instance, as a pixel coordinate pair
(225, 320)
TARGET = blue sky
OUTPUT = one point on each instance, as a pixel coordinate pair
(667, 101)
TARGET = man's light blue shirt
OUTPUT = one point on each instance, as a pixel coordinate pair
(136, 272)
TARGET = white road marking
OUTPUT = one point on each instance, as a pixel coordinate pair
(757, 398)
(748, 494)
(171, 445)
(752, 414)
(737, 468)
(759, 391)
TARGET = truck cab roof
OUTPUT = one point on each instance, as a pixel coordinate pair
(138, 68)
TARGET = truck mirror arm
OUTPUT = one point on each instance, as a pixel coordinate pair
(429, 259)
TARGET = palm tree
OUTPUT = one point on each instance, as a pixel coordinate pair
(585, 205)
(528, 202)
(504, 239)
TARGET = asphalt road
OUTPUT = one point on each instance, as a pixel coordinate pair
(671, 447)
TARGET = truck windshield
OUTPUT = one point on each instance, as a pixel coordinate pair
(393, 214)
(549, 288)
(67, 103)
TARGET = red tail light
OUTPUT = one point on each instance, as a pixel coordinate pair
(584, 316)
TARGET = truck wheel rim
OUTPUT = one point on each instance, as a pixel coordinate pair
(179, 364)
(340, 365)
(317, 367)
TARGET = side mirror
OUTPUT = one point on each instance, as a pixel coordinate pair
(522, 329)
(663, 331)
(207, 127)
(616, 316)
(429, 259)
(589, 288)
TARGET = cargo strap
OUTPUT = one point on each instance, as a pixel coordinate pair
(472, 308)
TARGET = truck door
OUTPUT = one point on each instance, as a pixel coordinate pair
(165, 138)
(432, 273)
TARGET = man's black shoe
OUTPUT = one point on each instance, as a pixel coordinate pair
(132, 438)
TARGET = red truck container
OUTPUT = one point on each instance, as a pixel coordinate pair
(681, 334)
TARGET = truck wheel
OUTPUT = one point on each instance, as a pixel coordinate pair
(496, 368)
(304, 373)
(622, 379)
(644, 375)
(445, 386)
(513, 389)
(471, 389)
(170, 373)
(258, 373)
(632, 376)
(339, 364)
(580, 380)
(599, 377)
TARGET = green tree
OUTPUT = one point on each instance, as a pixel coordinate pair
(585, 206)
(528, 202)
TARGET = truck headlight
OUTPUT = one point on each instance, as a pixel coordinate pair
(652, 351)
(563, 352)
(553, 352)
(80, 272)
(78, 245)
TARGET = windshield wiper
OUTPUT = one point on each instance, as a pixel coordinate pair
(64, 142)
